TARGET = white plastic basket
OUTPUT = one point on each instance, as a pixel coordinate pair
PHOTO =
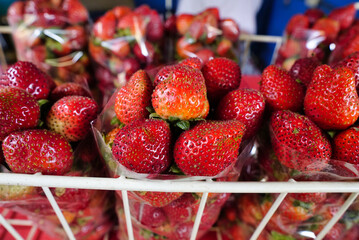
(124, 185)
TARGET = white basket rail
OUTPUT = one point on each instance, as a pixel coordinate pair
(124, 184)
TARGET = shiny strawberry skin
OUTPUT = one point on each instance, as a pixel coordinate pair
(38, 150)
(192, 62)
(163, 74)
(329, 27)
(18, 110)
(346, 145)
(69, 89)
(76, 12)
(298, 143)
(183, 95)
(133, 98)
(105, 27)
(344, 15)
(303, 69)
(71, 116)
(158, 199)
(297, 22)
(209, 148)
(331, 100)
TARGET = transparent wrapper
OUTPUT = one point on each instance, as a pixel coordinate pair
(89, 213)
(205, 35)
(54, 36)
(168, 215)
(122, 41)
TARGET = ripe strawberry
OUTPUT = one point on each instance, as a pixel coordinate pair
(18, 110)
(27, 76)
(170, 25)
(180, 210)
(50, 17)
(313, 15)
(77, 37)
(76, 12)
(245, 105)
(298, 143)
(158, 199)
(185, 48)
(183, 22)
(155, 28)
(249, 210)
(290, 48)
(295, 210)
(192, 62)
(329, 28)
(344, 15)
(224, 48)
(303, 69)
(133, 98)
(331, 100)
(182, 95)
(230, 29)
(121, 11)
(147, 215)
(15, 12)
(164, 73)
(120, 47)
(71, 116)
(69, 89)
(209, 148)
(280, 90)
(310, 197)
(130, 66)
(222, 76)
(38, 150)
(351, 62)
(105, 27)
(205, 54)
(297, 22)
(144, 52)
(346, 145)
(143, 146)
(350, 47)
(133, 24)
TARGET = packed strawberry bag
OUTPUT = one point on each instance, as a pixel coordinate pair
(54, 36)
(204, 35)
(124, 40)
(163, 126)
(45, 129)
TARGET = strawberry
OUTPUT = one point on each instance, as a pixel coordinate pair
(290, 48)
(351, 62)
(147, 215)
(280, 90)
(222, 76)
(313, 15)
(205, 54)
(182, 95)
(69, 89)
(295, 210)
(158, 199)
(186, 48)
(130, 66)
(297, 142)
(346, 145)
(192, 62)
(249, 210)
(144, 52)
(76, 12)
(329, 27)
(230, 29)
(331, 100)
(183, 22)
(180, 210)
(27, 76)
(164, 73)
(297, 22)
(71, 116)
(170, 25)
(344, 15)
(143, 146)
(133, 98)
(245, 105)
(209, 148)
(310, 197)
(77, 37)
(224, 48)
(133, 24)
(50, 17)
(18, 110)
(105, 27)
(16, 192)
(120, 47)
(15, 12)
(38, 150)
(155, 28)
(351, 46)
(303, 69)
(121, 11)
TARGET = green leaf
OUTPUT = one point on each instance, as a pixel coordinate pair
(176, 170)
(304, 205)
(116, 121)
(184, 125)
(331, 133)
(42, 102)
(277, 236)
(150, 109)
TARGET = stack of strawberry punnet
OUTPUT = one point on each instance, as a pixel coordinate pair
(167, 128)
(53, 35)
(315, 34)
(124, 40)
(204, 35)
(46, 129)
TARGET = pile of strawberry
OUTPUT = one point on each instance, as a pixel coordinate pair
(53, 35)
(204, 35)
(45, 128)
(124, 40)
(189, 120)
(315, 33)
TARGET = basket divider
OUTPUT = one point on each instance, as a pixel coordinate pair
(10, 228)
(126, 208)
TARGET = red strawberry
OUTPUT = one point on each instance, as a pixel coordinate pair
(331, 100)
(143, 146)
(230, 29)
(38, 150)
(144, 52)
(77, 37)
(15, 12)
(222, 76)
(351, 62)
(27, 76)
(58, 48)
(155, 28)
(350, 46)
(336, 232)
(314, 14)
(133, 24)
(121, 11)
(170, 25)
(98, 53)
(310, 197)
(182, 95)
(295, 210)
(298, 143)
(224, 48)
(69, 89)
(192, 62)
(130, 66)
(346, 145)
(147, 215)
(118, 46)
(281, 91)
(105, 27)
(297, 22)
(209, 148)
(249, 210)
(76, 12)
(50, 17)
(205, 54)
(158, 199)
(180, 210)
(18, 110)
(290, 48)
(245, 105)
(183, 22)
(344, 15)
(185, 48)
(71, 116)
(133, 98)
(329, 28)
(163, 74)
(303, 69)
